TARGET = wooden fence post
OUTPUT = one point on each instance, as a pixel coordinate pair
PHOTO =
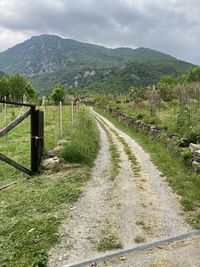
(60, 118)
(37, 138)
(33, 140)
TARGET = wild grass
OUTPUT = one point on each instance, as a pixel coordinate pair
(115, 156)
(109, 241)
(128, 151)
(30, 216)
(139, 239)
(185, 183)
(134, 162)
(84, 140)
(115, 160)
(143, 225)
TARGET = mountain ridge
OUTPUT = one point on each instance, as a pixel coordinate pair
(41, 57)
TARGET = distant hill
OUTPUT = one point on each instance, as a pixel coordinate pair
(139, 73)
(2, 74)
(48, 59)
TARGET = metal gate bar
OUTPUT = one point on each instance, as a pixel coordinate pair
(37, 136)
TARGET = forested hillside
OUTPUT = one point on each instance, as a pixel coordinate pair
(48, 59)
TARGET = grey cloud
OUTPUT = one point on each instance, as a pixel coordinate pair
(171, 26)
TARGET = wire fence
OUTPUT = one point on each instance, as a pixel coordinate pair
(58, 122)
(15, 144)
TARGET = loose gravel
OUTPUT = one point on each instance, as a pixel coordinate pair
(136, 207)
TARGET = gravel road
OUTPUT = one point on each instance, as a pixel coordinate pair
(136, 208)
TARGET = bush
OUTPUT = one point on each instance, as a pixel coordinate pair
(84, 143)
(186, 155)
(192, 134)
(139, 116)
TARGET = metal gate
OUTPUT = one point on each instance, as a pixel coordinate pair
(37, 137)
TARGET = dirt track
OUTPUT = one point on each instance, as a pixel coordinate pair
(135, 207)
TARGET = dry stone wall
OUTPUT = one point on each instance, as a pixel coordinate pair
(172, 141)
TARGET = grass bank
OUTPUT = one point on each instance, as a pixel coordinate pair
(181, 179)
(84, 140)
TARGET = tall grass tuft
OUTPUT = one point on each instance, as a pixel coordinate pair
(84, 140)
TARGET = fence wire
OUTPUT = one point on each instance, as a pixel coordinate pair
(15, 144)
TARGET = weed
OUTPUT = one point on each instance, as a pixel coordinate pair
(115, 159)
(129, 153)
(115, 156)
(109, 241)
(143, 225)
(140, 223)
(187, 203)
(139, 239)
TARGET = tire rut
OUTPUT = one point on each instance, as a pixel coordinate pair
(162, 213)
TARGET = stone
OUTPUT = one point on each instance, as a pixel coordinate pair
(58, 148)
(51, 163)
(194, 147)
(195, 166)
(63, 142)
(196, 155)
(55, 152)
(51, 153)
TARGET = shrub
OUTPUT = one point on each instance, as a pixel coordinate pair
(186, 155)
(139, 116)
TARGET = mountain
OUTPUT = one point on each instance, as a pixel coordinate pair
(48, 59)
(137, 74)
(2, 74)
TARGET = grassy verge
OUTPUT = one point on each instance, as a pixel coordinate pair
(181, 179)
(31, 211)
(84, 140)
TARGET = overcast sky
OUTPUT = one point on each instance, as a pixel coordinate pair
(170, 26)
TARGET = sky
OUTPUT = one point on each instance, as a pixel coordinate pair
(169, 26)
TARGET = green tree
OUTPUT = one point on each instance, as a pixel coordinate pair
(165, 86)
(17, 86)
(4, 87)
(58, 93)
(194, 75)
(29, 91)
(14, 87)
